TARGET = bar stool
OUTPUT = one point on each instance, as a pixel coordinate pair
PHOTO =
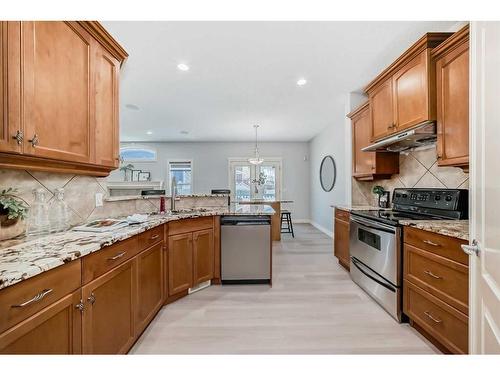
(286, 216)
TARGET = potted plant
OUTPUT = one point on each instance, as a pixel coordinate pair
(383, 196)
(127, 171)
(13, 210)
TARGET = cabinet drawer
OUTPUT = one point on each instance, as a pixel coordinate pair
(342, 215)
(443, 322)
(443, 278)
(26, 298)
(104, 260)
(445, 246)
(190, 225)
(151, 237)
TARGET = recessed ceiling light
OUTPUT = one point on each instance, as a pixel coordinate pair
(184, 132)
(149, 132)
(301, 82)
(183, 67)
(132, 106)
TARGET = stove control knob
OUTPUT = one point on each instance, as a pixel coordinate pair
(448, 198)
(437, 197)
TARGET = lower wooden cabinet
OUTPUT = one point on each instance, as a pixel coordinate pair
(180, 263)
(341, 237)
(54, 330)
(203, 256)
(109, 315)
(150, 291)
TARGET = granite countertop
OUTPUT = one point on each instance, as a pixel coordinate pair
(22, 259)
(254, 201)
(357, 208)
(119, 198)
(452, 228)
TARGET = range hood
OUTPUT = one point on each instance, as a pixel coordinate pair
(421, 135)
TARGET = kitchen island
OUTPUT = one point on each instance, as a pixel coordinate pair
(95, 293)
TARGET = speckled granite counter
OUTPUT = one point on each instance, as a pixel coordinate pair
(22, 259)
(452, 228)
(356, 208)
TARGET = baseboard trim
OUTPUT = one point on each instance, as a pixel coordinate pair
(301, 221)
(329, 233)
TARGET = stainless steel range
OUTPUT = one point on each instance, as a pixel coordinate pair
(376, 239)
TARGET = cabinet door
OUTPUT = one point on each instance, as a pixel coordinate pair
(341, 242)
(382, 110)
(106, 108)
(363, 162)
(108, 318)
(203, 256)
(10, 87)
(180, 263)
(57, 90)
(411, 92)
(452, 73)
(149, 285)
(54, 330)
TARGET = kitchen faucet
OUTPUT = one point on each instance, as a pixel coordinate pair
(173, 197)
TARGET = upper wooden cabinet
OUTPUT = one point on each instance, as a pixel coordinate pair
(10, 87)
(369, 165)
(452, 91)
(403, 95)
(69, 97)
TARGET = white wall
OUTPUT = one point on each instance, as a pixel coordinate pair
(210, 166)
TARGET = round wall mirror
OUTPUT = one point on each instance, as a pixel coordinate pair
(327, 173)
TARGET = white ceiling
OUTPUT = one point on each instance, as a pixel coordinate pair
(242, 73)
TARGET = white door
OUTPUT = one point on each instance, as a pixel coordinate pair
(251, 182)
(484, 327)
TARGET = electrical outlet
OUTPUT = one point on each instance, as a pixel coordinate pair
(98, 199)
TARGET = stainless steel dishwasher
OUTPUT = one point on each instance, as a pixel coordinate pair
(246, 249)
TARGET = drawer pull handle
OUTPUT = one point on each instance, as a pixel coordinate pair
(155, 236)
(91, 298)
(432, 318)
(36, 298)
(428, 242)
(118, 256)
(432, 275)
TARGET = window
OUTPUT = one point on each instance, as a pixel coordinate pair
(182, 171)
(248, 181)
(137, 154)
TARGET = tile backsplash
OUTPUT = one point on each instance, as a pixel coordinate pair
(79, 193)
(417, 169)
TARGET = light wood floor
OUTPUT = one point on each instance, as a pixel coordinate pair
(313, 307)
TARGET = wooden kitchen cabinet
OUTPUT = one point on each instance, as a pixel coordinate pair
(203, 256)
(452, 96)
(110, 311)
(180, 263)
(404, 94)
(150, 282)
(107, 69)
(341, 238)
(66, 105)
(436, 281)
(10, 87)
(53, 330)
(369, 165)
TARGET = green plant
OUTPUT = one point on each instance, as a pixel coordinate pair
(16, 207)
(127, 167)
(379, 190)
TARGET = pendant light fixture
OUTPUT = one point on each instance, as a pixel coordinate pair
(256, 160)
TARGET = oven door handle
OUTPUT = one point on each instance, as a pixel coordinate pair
(378, 281)
(382, 229)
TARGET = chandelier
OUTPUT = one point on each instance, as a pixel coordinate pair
(256, 159)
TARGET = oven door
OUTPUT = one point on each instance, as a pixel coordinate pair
(375, 245)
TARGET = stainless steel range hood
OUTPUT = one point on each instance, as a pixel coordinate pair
(421, 135)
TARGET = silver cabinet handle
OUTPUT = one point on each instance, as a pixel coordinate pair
(428, 242)
(118, 256)
(34, 141)
(432, 275)
(36, 298)
(155, 236)
(80, 306)
(432, 318)
(471, 249)
(91, 298)
(19, 137)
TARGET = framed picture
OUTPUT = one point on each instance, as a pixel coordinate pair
(144, 176)
(135, 174)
